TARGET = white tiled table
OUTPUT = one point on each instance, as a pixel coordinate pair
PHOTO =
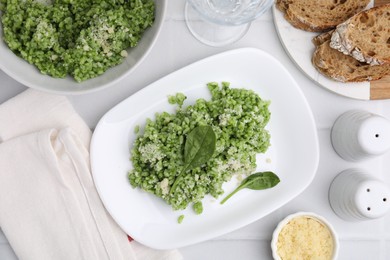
(176, 48)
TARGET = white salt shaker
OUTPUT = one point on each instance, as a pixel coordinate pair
(355, 195)
(357, 135)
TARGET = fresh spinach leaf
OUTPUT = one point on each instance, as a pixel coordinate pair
(199, 146)
(256, 181)
(198, 149)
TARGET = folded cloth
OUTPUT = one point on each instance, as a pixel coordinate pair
(32, 111)
(49, 207)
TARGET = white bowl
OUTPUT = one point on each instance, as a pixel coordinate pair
(29, 75)
(312, 215)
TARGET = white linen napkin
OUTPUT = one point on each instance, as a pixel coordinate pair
(49, 207)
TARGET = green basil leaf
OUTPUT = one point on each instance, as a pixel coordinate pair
(256, 181)
(199, 146)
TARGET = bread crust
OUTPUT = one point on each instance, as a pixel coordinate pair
(320, 15)
(321, 38)
(344, 68)
(350, 37)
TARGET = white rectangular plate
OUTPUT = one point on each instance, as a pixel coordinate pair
(293, 154)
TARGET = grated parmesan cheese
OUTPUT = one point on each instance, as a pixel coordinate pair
(151, 152)
(164, 186)
(305, 238)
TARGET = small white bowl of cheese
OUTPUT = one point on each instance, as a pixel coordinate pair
(304, 235)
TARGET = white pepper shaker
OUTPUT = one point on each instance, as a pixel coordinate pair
(355, 195)
(357, 135)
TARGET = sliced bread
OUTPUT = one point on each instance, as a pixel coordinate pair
(321, 38)
(320, 15)
(345, 68)
(365, 36)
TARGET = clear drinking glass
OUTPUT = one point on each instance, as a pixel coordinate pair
(222, 22)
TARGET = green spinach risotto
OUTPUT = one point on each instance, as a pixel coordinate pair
(236, 117)
(82, 38)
